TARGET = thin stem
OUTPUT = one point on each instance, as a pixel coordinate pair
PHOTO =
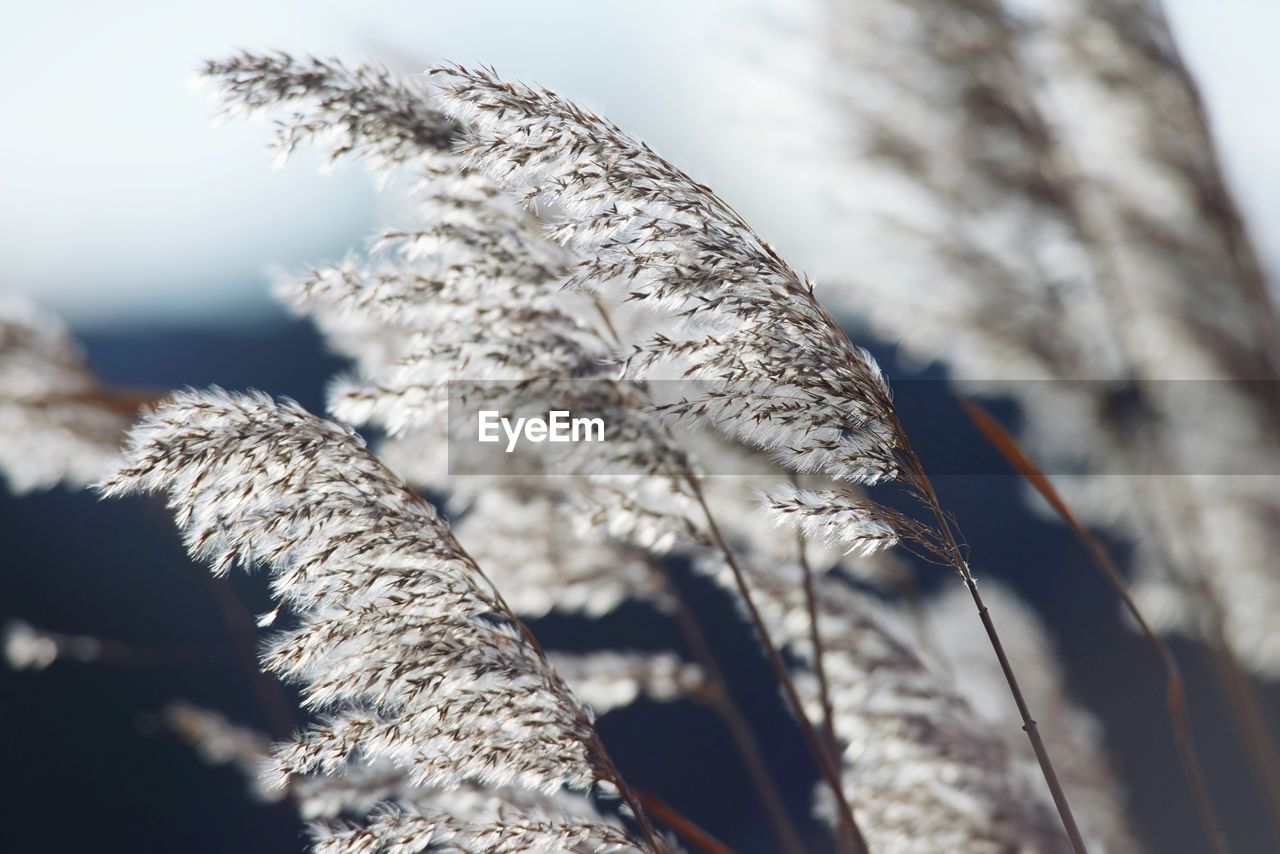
(849, 835)
(721, 702)
(811, 737)
(683, 825)
(272, 699)
(606, 319)
(1175, 693)
(819, 660)
(1250, 716)
(1029, 726)
(815, 638)
(628, 794)
(1247, 712)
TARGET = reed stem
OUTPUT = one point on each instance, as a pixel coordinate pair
(921, 481)
(720, 700)
(829, 771)
(1175, 693)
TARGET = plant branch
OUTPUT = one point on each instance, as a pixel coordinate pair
(819, 663)
(684, 826)
(720, 700)
(815, 638)
(919, 479)
(272, 699)
(829, 771)
(1175, 693)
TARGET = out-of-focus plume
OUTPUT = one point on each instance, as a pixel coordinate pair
(1064, 235)
(57, 423)
(29, 648)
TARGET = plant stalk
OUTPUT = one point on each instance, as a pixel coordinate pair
(720, 700)
(814, 741)
(815, 638)
(1175, 693)
(1029, 726)
(687, 828)
(819, 663)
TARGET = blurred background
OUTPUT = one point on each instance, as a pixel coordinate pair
(154, 235)
(122, 205)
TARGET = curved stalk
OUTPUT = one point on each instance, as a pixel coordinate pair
(829, 771)
(1175, 693)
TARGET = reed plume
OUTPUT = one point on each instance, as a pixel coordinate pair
(59, 424)
(544, 253)
(785, 376)
(443, 681)
(429, 286)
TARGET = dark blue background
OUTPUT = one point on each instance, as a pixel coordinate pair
(87, 769)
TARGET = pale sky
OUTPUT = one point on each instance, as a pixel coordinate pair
(122, 201)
